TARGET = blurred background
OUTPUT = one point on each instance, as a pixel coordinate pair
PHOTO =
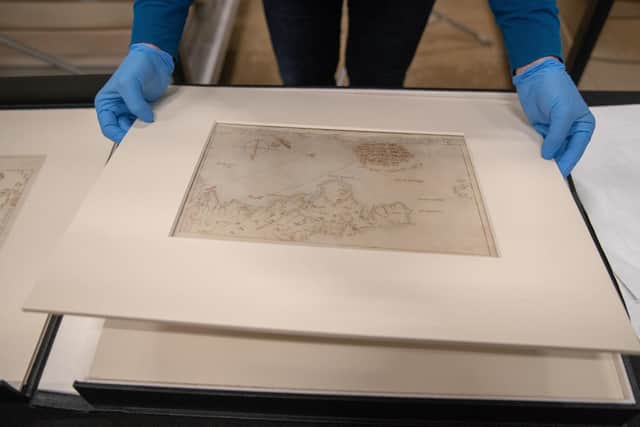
(227, 42)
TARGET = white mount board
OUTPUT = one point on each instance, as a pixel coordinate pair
(65, 153)
(171, 355)
(547, 287)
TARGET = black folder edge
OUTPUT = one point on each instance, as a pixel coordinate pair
(9, 393)
(353, 409)
(78, 92)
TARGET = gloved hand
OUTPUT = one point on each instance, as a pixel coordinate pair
(557, 111)
(142, 78)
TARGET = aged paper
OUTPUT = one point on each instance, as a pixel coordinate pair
(401, 191)
(16, 175)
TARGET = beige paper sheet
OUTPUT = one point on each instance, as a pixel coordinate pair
(66, 153)
(152, 353)
(547, 287)
(375, 190)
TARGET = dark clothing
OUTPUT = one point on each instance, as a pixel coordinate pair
(382, 36)
(382, 39)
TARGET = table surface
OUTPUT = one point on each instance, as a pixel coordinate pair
(73, 92)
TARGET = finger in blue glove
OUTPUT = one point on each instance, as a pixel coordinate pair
(141, 78)
(557, 111)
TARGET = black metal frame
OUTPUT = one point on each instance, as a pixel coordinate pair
(41, 355)
(8, 392)
(586, 37)
(343, 408)
(49, 91)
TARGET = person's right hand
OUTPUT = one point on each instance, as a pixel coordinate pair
(142, 78)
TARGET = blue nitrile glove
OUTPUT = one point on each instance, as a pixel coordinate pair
(142, 78)
(557, 111)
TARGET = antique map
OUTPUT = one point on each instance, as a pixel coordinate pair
(16, 176)
(384, 190)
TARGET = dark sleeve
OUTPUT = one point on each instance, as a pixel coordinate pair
(531, 29)
(159, 22)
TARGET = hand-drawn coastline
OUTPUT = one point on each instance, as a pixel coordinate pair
(382, 190)
(331, 210)
(16, 175)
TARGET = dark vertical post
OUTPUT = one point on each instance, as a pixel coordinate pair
(178, 72)
(587, 36)
(39, 361)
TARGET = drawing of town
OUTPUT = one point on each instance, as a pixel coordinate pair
(340, 188)
(16, 175)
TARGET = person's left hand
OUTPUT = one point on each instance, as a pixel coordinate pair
(556, 110)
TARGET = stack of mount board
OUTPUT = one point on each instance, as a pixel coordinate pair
(48, 161)
(157, 354)
(376, 225)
